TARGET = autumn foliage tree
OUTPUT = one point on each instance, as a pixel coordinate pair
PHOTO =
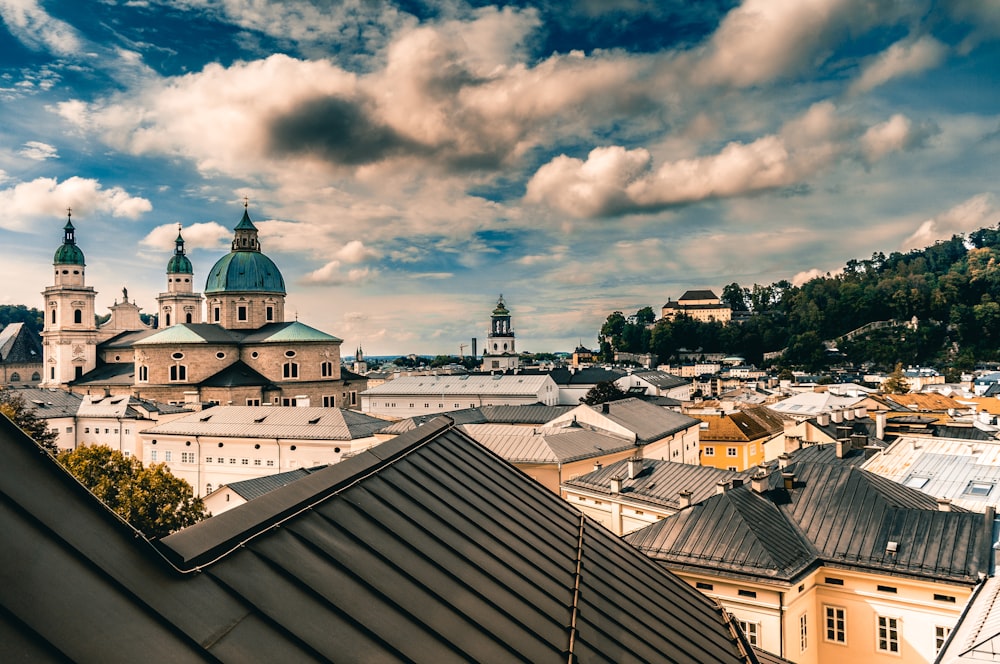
(153, 500)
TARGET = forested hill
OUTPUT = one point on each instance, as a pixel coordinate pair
(18, 313)
(952, 288)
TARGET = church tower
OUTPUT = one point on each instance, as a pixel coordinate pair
(500, 353)
(179, 304)
(69, 336)
(245, 290)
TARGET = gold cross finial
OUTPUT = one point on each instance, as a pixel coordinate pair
(246, 202)
(69, 212)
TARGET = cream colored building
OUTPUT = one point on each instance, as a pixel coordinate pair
(228, 444)
(824, 562)
(409, 396)
(701, 305)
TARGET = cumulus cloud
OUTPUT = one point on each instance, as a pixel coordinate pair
(614, 180)
(903, 58)
(35, 28)
(331, 274)
(38, 151)
(207, 235)
(969, 215)
(356, 252)
(44, 198)
(814, 273)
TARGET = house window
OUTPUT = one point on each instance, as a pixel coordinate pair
(53, 316)
(732, 468)
(747, 593)
(290, 370)
(208, 488)
(168, 320)
(354, 398)
(187, 457)
(836, 624)
(700, 585)
(245, 462)
(187, 318)
(731, 451)
(270, 462)
(178, 373)
(152, 455)
(35, 377)
(709, 451)
(216, 313)
(976, 488)
(329, 402)
(167, 455)
(944, 598)
(326, 369)
(253, 402)
(752, 632)
(241, 312)
(208, 459)
(940, 636)
(256, 462)
(143, 374)
(888, 635)
(286, 401)
(803, 633)
(232, 461)
(15, 377)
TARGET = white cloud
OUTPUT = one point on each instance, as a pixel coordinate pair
(969, 215)
(331, 274)
(356, 252)
(44, 198)
(36, 29)
(207, 235)
(38, 151)
(808, 275)
(903, 58)
(896, 134)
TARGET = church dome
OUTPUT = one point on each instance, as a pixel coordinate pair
(179, 263)
(245, 268)
(68, 253)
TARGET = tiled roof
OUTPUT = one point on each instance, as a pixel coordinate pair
(835, 514)
(258, 486)
(659, 482)
(20, 345)
(746, 425)
(925, 402)
(273, 422)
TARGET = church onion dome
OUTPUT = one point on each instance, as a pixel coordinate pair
(245, 268)
(68, 253)
(501, 309)
(179, 263)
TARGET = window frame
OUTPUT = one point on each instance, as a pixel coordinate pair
(832, 615)
(887, 634)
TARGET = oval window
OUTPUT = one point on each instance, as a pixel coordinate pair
(220, 355)
(178, 356)
(289, 353)
(254, 355)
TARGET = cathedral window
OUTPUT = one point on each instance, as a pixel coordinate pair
(326, 369)
(216, 314)
(241, 312)
(178, 373)
(15, 377)
(35, 377)
(270, 314)
(77, 316)
(290, 370)
(53, 316)
(167, 316)
(187, 318)
(143, 374)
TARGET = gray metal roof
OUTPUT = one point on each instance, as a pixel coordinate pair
(272, 422)
(109, 374)
(835, 514)
(567, 377)
(649, 423)
(258, 486)
(425, 549)
(660, 379)
(545, 445)
(461, 386)
(49, 403)
(659, 483)
(526, 414)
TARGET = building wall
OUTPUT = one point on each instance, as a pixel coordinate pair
(21, 373)
(715, 453)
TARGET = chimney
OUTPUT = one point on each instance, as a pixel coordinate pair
(844, 433)
(836, 417)
(842, 448)
(858, 441)
(605, 407)
(823, 419)
(721, 487)
(788, 479)
(634, 467)
(684, 499)
(880, 425)
(849, 414)
(597, 466)
(944, 504)
(861, 412)
(783, 460)
(759, 483)
(793, 443)
(616, 486)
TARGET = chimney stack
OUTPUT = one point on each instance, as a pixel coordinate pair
(684, 499)
(616, 486)
(861, 412)
(823, 419)
(783, 460)
(721, 487)
(842, 449)
(634, 467)
(759, 483)
(858, 441)
(605, 407)
(944, 504)
(597, 465)
(836, 417)
(848, 414)
(880, 418)
(844, 433)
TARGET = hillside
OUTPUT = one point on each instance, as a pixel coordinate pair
(952, 289)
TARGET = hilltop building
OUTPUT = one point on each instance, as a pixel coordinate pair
(701, 305)
(245, 354)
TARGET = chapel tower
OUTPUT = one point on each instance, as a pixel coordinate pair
(69, 334)
(179, 304)
(500, 353)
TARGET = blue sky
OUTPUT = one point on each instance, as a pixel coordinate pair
(407, 162)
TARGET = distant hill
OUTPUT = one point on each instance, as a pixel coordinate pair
(951, 289)
(18, 313)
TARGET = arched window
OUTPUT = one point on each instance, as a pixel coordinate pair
(77, 316)
(216, 313)
(143, 374)
(326, 369)
(178, 373)
(187, 318)
(53, 316)
(15, 377)
(35, 377)
(290, 370)
(167, 316)
(208, 488)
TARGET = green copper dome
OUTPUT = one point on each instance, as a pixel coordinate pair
(245, 268)
(179, 263)
(68, 253)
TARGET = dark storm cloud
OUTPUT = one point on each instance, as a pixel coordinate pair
(340, 131)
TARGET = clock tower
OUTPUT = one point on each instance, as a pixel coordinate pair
(500, 353)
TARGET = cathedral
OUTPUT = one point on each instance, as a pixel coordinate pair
(245, 353)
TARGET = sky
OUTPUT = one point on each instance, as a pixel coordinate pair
(408, 162)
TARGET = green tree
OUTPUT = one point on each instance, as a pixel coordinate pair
(153, 500)
(13, 405)
(645, 316)
(896, 382)
(603, 392)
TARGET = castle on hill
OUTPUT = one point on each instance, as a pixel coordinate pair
(243, 352)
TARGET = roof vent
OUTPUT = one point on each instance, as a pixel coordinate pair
(891, 548)
(206, 418)
(315, 420)
(260, 419)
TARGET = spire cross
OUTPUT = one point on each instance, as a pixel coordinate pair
(246, 202)
(69, 212)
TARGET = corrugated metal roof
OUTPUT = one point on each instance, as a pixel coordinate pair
(49, 403)
(527, 414)
(189, 333)
(835, 514)
(660, 379)
(518, 444)
(814, 403)
(454, 386)
(659, 482)
(649, 423)
(272, 422)
(585, 376)
(291, 332)
(109, 374)
(258, 486)
(966, 472)
(976, 637)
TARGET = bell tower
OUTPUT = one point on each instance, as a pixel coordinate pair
(500, 353)
(179, 304)
(69, 335)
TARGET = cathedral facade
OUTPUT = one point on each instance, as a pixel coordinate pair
(231, 345)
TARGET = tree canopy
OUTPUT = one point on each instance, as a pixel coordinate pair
(152, 500)
(603, 392)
